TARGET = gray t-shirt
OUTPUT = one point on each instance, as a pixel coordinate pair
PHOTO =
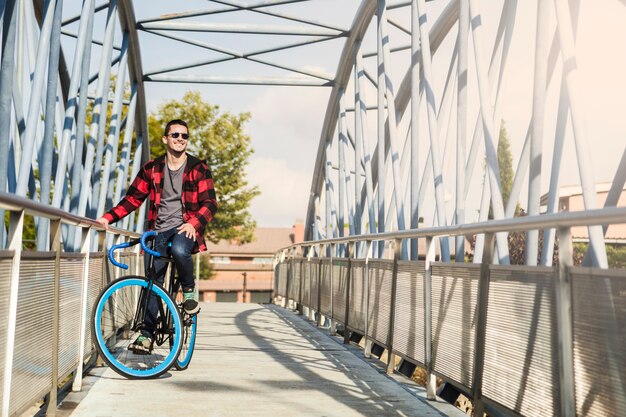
(171, 207)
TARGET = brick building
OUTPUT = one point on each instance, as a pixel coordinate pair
(250, 265)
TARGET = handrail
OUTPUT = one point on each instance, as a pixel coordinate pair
(13, 202)
(609, 215)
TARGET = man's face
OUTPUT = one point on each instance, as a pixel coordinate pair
(175, 139)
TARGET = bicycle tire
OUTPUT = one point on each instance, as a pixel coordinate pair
(190, 325)
(114, 329)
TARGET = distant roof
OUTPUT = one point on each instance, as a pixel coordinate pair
(267, 240)
(577, 189)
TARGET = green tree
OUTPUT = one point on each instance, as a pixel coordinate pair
(218, 138)
(505, 163)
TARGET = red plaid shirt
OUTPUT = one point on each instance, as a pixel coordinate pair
(198, 195)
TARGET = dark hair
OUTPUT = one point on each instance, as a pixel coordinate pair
(172, 123)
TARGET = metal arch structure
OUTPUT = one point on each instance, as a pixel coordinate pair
(73, 139)
(439, 122)
(51, 155)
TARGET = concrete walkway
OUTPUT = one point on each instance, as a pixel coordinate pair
(254, 360)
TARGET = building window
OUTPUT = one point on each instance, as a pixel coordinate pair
(261, 297)
(226, 296)
(260, 260)
(220, 259)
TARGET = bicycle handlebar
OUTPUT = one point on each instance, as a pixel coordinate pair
(133, 242)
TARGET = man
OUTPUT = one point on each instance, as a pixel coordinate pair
(182, 203)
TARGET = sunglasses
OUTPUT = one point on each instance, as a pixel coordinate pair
(175, 135)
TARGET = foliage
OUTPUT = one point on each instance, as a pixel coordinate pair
(29, 232)
(615, 254)
(206, 267)
(218, 138)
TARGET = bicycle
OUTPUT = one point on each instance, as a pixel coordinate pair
(119, 315)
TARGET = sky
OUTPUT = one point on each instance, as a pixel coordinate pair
(286, 122)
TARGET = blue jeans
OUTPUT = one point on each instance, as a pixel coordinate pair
(180, 250)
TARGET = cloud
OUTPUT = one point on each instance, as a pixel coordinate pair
(284, 192)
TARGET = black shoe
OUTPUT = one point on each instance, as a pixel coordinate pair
(191, 307)
(141, 346)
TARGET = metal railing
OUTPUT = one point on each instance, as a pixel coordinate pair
(46, 300)
(516, 340)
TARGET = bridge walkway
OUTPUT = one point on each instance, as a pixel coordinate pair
(258, 360)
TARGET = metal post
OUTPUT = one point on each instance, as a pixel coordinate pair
(351, 253)
(432, 124)
(380, 135)
(16, 228)
(6, 93)
(392, 117)
(45, 169)
(84, 308)
(367, 351)
(341, 182)
(415, 105)
(488, 130)
(568, 54)
(245, 289)
(99, 114)
(33, 116)
(431, 385)
(459, 252)
(110, 154)
(481, 325)
(564, 324)
(55, 238)
(538, 112)
(319, 289)
(397, 255)
(333, 324)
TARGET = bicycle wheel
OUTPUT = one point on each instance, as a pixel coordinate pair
(118, 319)
(190, 324)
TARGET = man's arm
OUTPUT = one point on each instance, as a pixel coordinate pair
(136, 194)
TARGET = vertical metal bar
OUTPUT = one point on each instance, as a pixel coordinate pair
(564, 324)
(481, 325)
(319, 289)
(7, 65)
(488, 129)
(351, 253)
(33, 117)
(415, 110)
(361, 107)
(358, 144)
(431, 386)
(538, 112)
(84, 308)
(82, 80)
(122, 176)
(16, 228)
(55, 232)
(70, 111)
(432, 124)
(397, 255)
(392, 117)
(570, 73)
(333, 324)
(367, 351)
(45, 167)
(136, 166)
(380, 135)
(329, 190)
(99, 114)
(341, 162)
(462, 42)
(110, 157)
